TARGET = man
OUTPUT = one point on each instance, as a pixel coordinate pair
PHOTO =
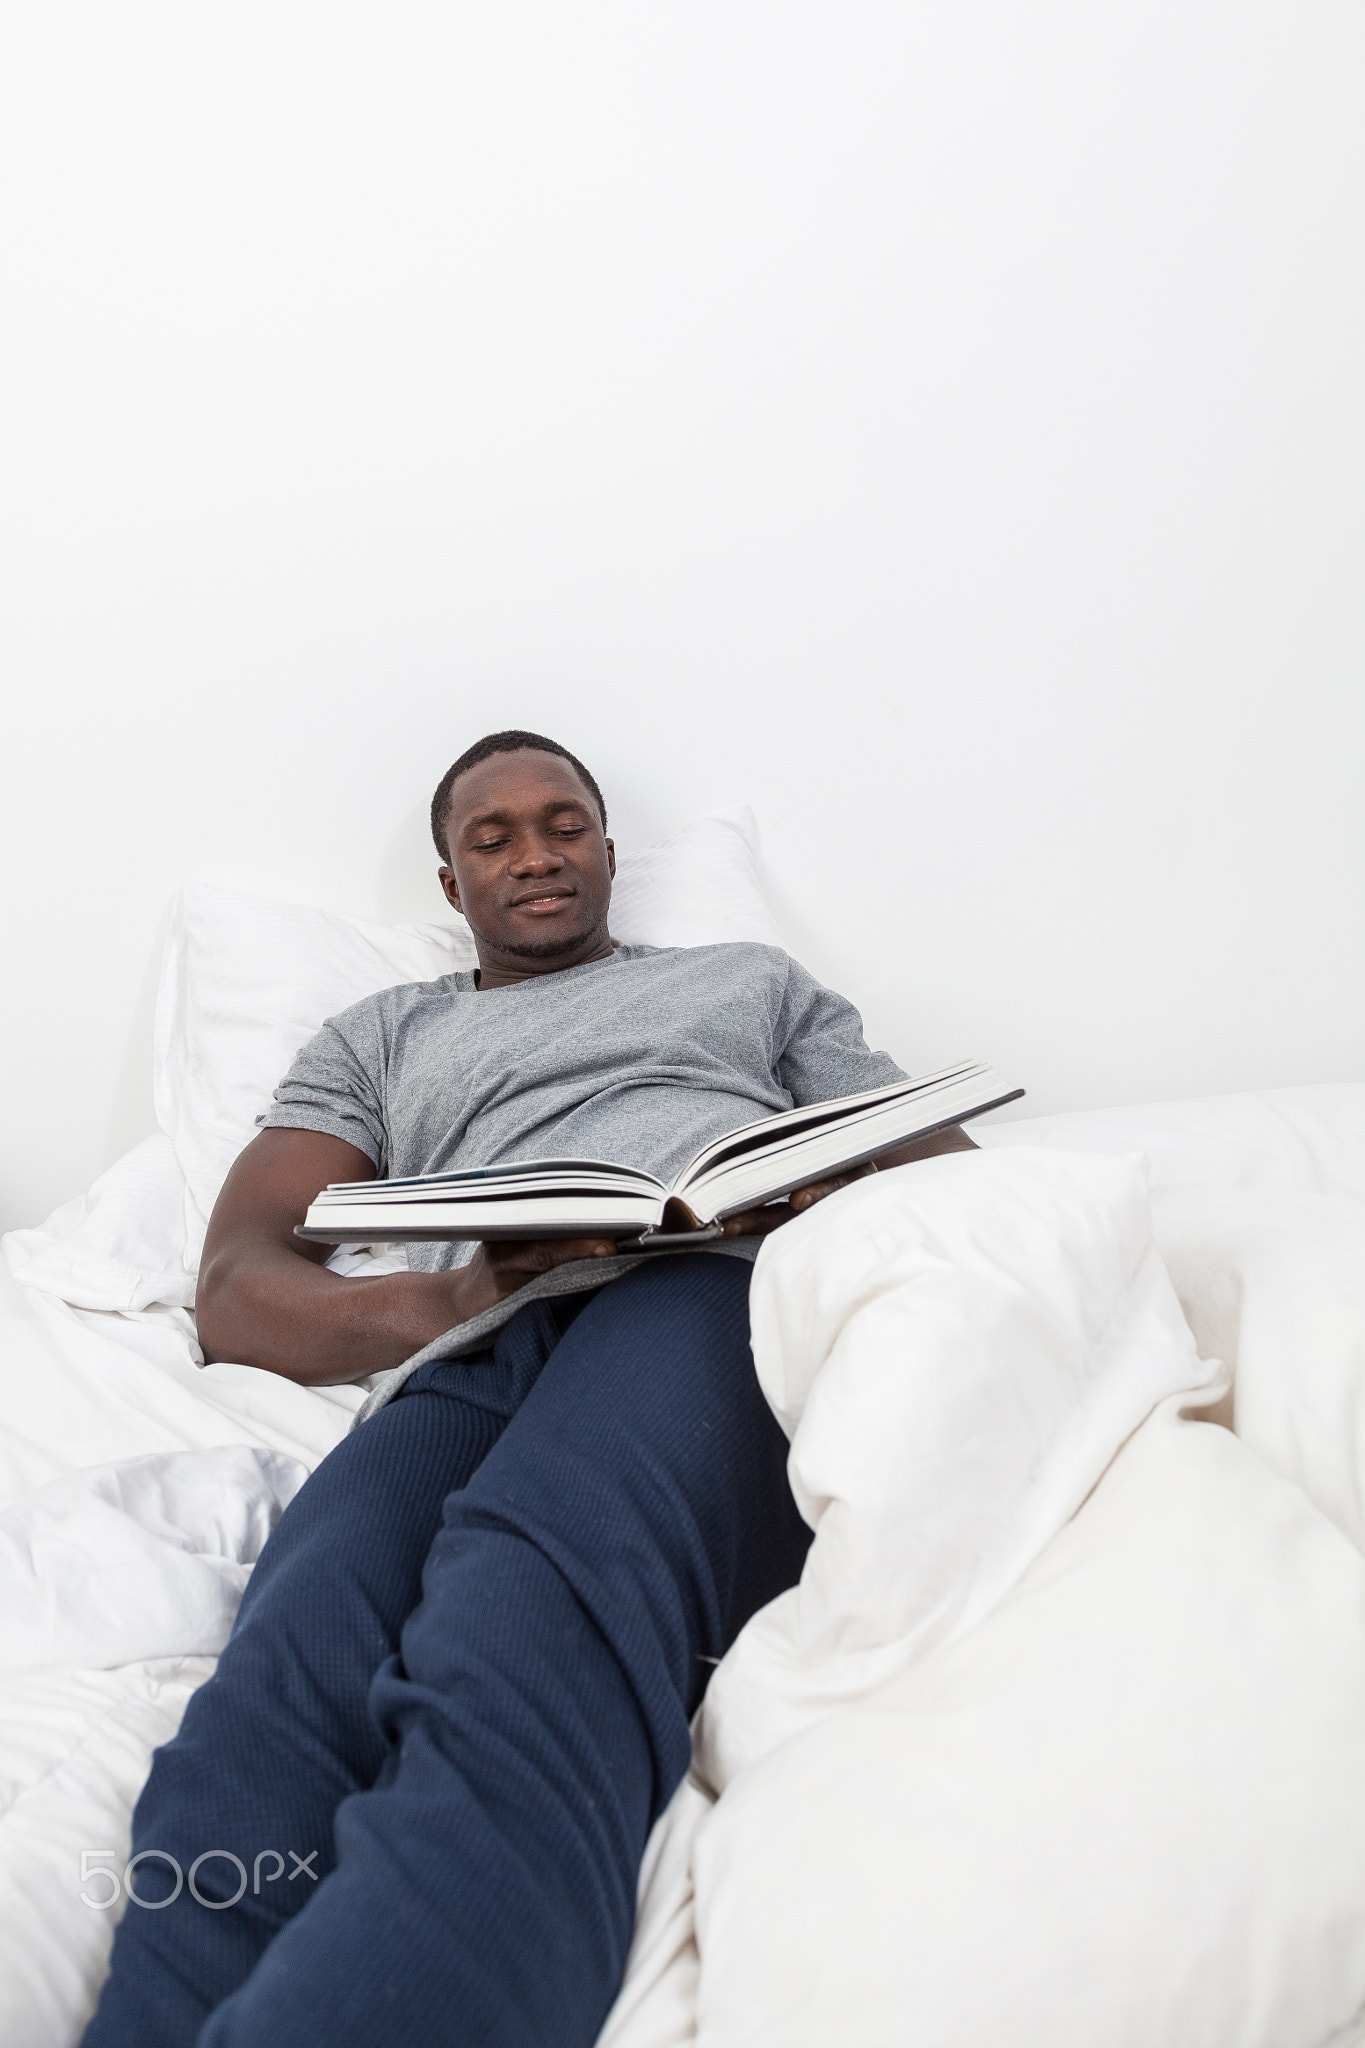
(458, 1692)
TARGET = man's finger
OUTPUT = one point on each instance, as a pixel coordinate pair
(758, 1222)
(560, 1251)
(816, 1190)
(543, 1254)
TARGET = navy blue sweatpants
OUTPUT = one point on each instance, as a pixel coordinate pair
(458, 1692)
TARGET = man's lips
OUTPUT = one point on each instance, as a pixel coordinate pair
(544, 901)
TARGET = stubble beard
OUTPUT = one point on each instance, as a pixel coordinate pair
(543, 949)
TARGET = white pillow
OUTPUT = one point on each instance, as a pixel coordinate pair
(246, 980)
(1274, 1285)
(701, 887)
(1285, 1140)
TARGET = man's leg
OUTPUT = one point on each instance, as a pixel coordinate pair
(282, 1733)
(631, 1517)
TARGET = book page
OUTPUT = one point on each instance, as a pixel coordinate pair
(770, 1131)
(763, 1176)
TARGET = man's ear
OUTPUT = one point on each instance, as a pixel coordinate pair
(446, 877)
(611, 858)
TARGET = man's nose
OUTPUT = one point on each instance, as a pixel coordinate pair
(535, 857)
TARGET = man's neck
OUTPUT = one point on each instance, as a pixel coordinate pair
(500, 970)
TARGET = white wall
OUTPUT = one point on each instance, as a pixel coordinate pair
(939, 425)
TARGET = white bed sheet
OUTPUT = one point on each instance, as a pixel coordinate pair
(87, 1389)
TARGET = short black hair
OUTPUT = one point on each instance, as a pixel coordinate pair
(483, 750)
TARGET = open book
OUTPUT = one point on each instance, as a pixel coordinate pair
(758, 1163)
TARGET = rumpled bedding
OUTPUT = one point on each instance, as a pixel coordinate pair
(1061, 1738)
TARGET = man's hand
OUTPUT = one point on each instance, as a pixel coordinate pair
(499, 1269)
(758, 1222)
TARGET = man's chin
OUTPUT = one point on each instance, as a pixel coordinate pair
(543, 949)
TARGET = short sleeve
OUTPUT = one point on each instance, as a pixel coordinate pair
(820, 1049)
(333, 1087)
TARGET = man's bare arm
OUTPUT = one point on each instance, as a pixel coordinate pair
(265, 1299)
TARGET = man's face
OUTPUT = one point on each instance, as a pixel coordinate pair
(529, 864)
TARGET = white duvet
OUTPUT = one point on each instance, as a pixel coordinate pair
(1062, 1738)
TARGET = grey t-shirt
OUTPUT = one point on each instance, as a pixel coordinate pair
(641, 1058)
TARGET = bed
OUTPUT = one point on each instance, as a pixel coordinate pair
(1061, 1740)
